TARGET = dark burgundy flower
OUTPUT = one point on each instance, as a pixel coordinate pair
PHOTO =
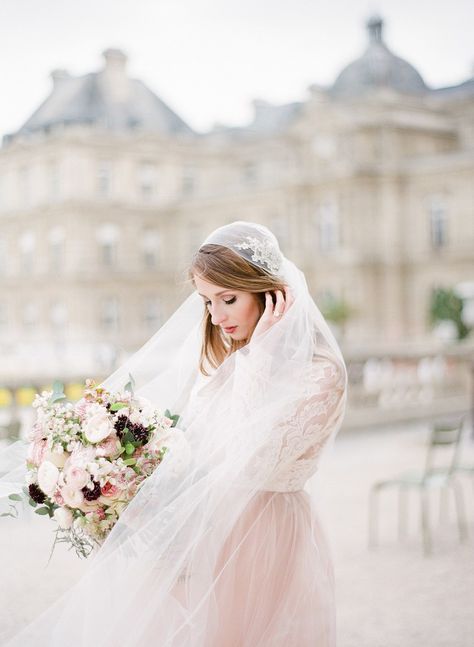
(140, 433)
(92, 495)
(36, 493)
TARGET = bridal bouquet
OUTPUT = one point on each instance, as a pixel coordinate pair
(86, 461)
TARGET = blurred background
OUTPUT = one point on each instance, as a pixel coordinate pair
(131, 129)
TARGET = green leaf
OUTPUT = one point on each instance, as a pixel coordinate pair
(58, 392)
(130, 461)
(42, 511)
(32, 503)
(129, 448)
(26, 490)
(15, 497)
(117, 406)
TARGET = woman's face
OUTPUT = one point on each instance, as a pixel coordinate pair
(236, 312)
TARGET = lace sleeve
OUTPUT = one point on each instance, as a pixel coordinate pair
(313, 418)
(306, 423)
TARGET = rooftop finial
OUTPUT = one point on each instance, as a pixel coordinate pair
(375, 28)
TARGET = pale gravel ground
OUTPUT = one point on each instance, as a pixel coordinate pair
(391, 597)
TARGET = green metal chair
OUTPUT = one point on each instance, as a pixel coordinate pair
(444, 436)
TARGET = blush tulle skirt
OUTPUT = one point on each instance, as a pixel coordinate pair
(270, 585)
(274, 580)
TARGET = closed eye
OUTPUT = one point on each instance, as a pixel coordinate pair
(229, 302)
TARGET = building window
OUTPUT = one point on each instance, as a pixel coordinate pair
(188, 182)
(3, 317)
(110, 314)
(147, 180)
(152, 313)
(438, 222)
(108, 237)
(104, 178)
(56, 237)
(24, 186)
(30, 316)
(151, 248)
(3, 256)
(54, 181)
(250, 174)
(58, 315)
(27, 245)
(328, 227)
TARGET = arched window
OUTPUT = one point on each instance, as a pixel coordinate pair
(328, 226)
(27, 246)
(104, 178)
(56, 238)
(438, 221)
(108, 236)
(151, 248)
(147, 180)
(152, 313)
(58, 315)
(30, 315)
(110, 314)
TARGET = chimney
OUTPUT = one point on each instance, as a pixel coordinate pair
(114, 76)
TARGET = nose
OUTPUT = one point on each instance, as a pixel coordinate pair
(217, 316)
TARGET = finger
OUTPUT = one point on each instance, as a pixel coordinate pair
(280, 304)
(268, 303)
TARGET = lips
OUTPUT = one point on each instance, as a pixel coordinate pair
(230, 330)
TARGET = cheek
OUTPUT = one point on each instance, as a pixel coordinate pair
(252, 314)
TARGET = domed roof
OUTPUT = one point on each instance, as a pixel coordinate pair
(108, 99)
(378, 67)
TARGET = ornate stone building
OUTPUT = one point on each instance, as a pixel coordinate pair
(105, 193)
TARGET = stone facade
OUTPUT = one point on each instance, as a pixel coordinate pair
(105, 194)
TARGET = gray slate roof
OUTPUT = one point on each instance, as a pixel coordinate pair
(112, 101)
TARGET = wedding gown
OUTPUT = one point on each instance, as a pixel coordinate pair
(274, 578)
(222, 546)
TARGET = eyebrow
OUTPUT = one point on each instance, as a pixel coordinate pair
(217, 294)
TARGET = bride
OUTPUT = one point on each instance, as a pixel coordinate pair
(222, 546)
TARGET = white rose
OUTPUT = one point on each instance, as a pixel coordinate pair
(98, 427)
(76, 477)
(64, 517)
(179, 452)
(48, 475)
(57, 459)
(72, 497)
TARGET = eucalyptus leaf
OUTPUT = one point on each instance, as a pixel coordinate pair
(15, 497)
(42, 511)
(32, 502)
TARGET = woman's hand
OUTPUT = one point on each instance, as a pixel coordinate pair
(273, 313)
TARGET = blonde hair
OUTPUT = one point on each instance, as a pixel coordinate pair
(223, 267)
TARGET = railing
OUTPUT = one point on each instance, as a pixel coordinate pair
(410, 384)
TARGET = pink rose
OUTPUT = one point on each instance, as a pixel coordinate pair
(36, 452)
(76, 477)
(109, 489)
(109, 447)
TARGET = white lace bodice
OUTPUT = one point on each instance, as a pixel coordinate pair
(304, 430)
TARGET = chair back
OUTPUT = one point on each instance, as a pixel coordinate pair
(444, 441)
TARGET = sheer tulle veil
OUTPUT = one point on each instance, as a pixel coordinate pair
(159, 566)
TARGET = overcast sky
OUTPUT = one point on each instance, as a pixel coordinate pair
(209, 58)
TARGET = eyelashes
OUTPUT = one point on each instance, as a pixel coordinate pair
(230, 302)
